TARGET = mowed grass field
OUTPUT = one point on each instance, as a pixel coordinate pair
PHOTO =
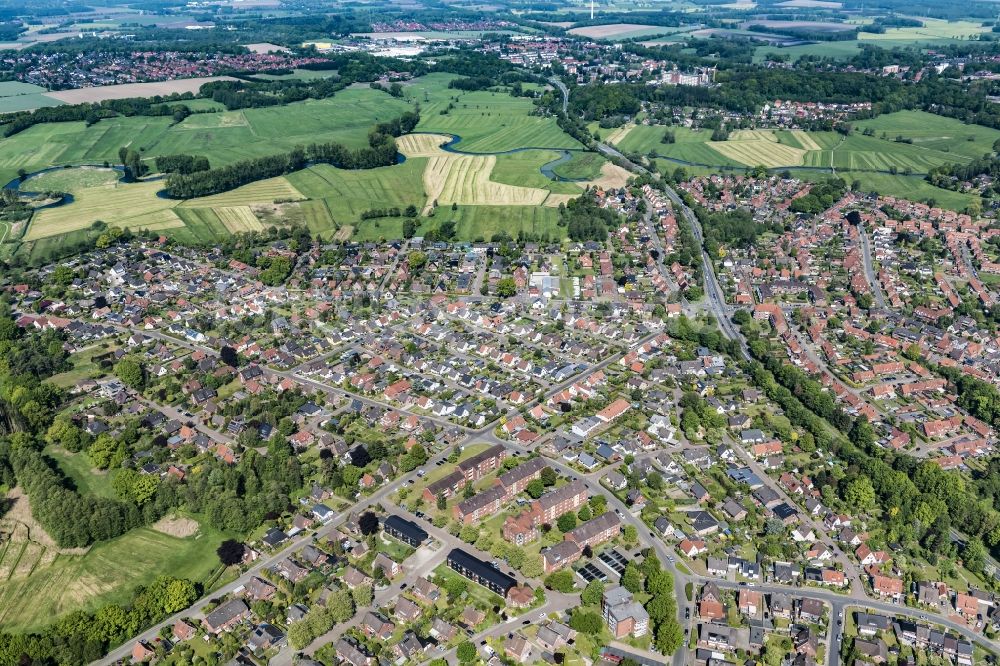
(17, 96)
(39, 584)
(482, 222)
(524, 168)
(465, 179)
(933, 132)
(759, 147)
(487, 121)
(224, 137)
(872, 153)
(582, 166)
(133, 206)
(71, 180)
(338, 197)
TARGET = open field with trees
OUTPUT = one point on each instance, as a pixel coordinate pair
(223, 137)
(887, 154)
(78, 468)
(323, 198)
(39, 583)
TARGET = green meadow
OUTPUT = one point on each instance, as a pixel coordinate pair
(44, 584)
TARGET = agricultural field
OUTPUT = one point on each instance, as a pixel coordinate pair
(615, 31)
(40, 582)
(643, 138)
(867, 153)
(812, 26)
(133, 205)
(934, 33)
(617, 135)
(127, 90)
(929, 131)
(611, 176)
(338, 196)
(262, 191)
(509, 148)
(935, 141)
(238, 219)
(487, 121)
(465, 179)
(758, 147)
(224, 137)
(71, 180)
(482, 222)
(421, 145)
(17, 96)
(838, 50)
(524, 168)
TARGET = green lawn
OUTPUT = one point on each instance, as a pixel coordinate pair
(78, 468)
(83, 368)
(107, 573)
(482, 597)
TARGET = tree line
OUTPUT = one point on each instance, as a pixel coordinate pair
(183, 164)
(91, 113)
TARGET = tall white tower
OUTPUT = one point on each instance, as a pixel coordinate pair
(591, 10)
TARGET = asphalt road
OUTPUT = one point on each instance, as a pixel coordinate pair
(716, 301)
(866, 256)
